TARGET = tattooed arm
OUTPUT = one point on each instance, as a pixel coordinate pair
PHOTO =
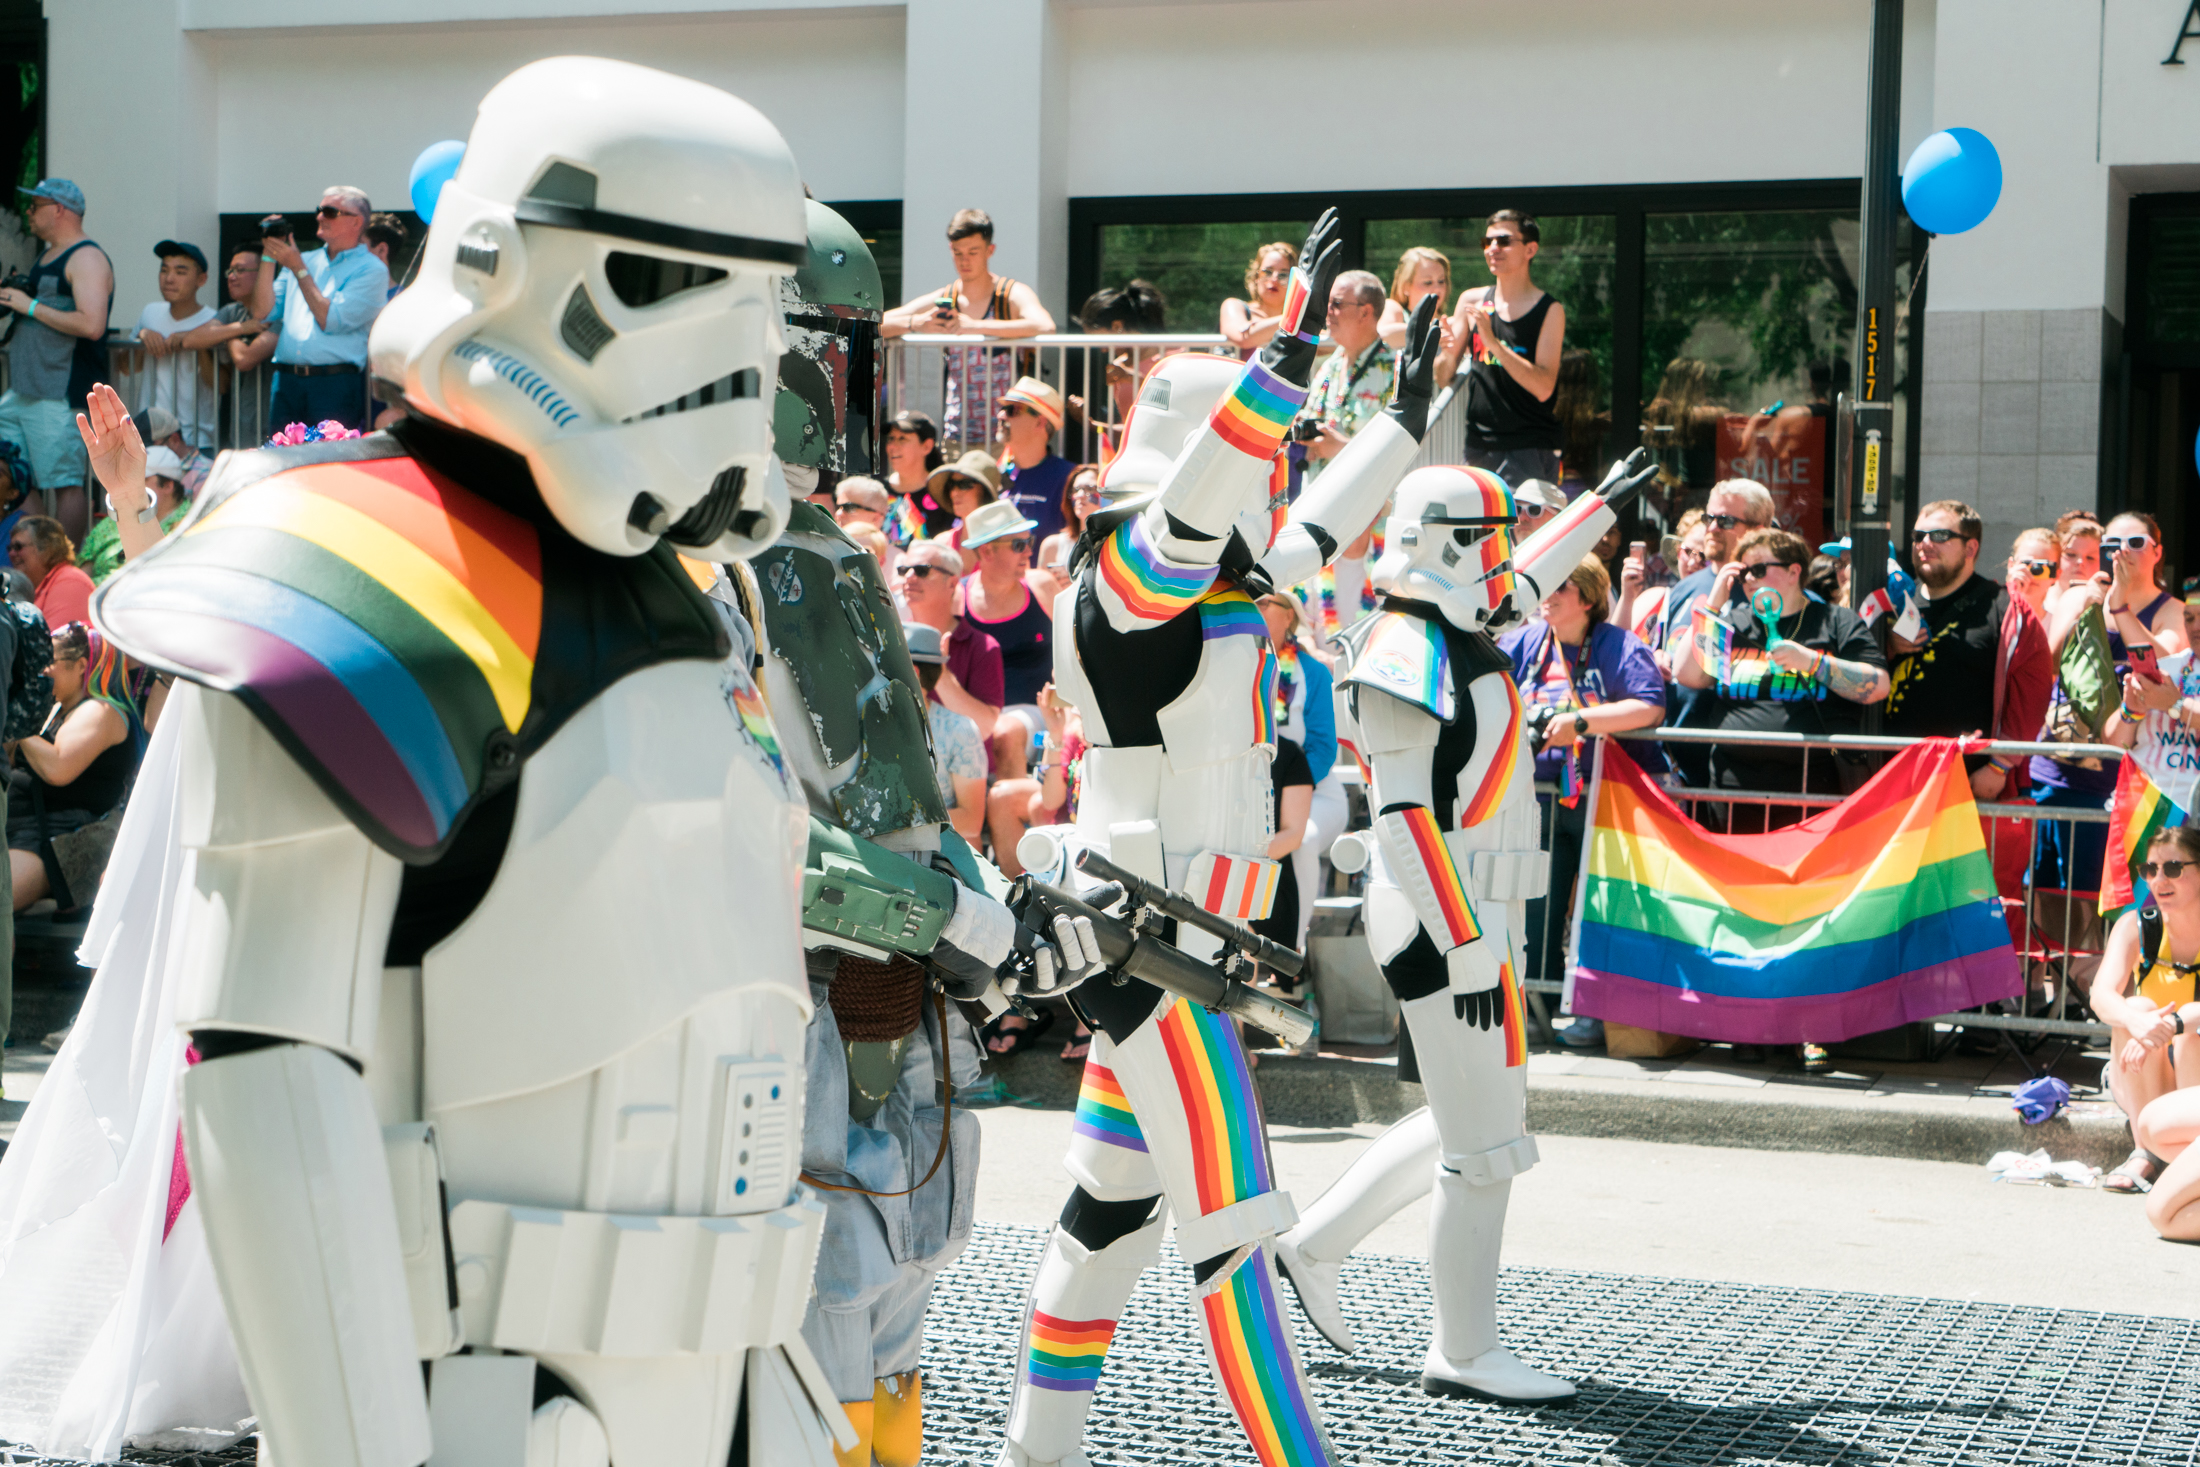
(1859, 682)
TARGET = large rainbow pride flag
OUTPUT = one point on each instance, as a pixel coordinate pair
(1870, 914)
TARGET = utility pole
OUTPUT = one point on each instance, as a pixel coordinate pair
(1868, 454)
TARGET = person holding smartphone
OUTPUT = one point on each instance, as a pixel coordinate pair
(975, 303)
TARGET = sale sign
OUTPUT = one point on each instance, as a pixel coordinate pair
(1786, 453)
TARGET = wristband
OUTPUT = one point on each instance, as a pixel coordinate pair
(1818, 668)
(267, 259)
(2177, 1017)
(32, 313)
(2123, 711)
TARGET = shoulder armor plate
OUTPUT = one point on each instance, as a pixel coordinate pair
(408, 641)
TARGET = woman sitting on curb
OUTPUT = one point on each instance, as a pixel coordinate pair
(2146, 995)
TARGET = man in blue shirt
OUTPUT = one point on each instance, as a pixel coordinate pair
(1031, 414)
(321, 306)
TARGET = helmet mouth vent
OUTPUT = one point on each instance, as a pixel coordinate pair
(715, 513)
(732, 387)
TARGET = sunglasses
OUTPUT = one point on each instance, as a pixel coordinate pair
(1757, 572)
(1726, 521)
(2133, 543)
(1018, 543)
(1283, 274)
(956, 486)
(1499, 241)
(2171, 869)
(330, 211)
(2039, 570)
(1938, 537)
(917, 572)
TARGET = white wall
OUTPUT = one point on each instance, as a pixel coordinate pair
(1285, 95)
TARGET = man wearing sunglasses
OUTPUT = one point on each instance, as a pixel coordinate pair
(321, 304)
(55, 353)
(923, 577)
(1980, 665)
(1507, 337)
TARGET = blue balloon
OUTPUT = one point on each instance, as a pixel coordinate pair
(2196, 450)
(1952, 181)
(431, 170)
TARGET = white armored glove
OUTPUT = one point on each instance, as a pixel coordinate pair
(983, 939)
(1069, 960)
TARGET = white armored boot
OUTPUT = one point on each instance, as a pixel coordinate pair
(1395, 1171)
(1465, 1234)
(1076, 1300)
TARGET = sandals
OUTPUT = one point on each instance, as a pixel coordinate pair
(1019, 1038)
(2135, 1175)
(1078, 1050)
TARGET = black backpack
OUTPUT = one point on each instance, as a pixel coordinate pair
(30, 685)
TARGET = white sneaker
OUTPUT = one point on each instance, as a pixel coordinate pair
(1494, 1375)
(1316, 1283)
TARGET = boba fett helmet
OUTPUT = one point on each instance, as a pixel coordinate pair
(825, 416)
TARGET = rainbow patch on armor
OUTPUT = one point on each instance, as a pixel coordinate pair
(1258, 412)
(756, 722)
(1066, 1354)
(1516, 1019)
(1408, 658)
(1247, 1332)
(1103, 1112)
(1498, 777)
(1242, 888)
(1460, 925)
(1221, 1108)
(1150, 588)
(1230, 613)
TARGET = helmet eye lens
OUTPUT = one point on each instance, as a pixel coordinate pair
(644, 280)
(1462, 537)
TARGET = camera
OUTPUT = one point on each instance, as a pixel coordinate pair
(275, 226)
(1306, 430)
(14, 280)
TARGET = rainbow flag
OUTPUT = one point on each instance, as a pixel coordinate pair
(1873, 913)
(2140, 811)
(904, 521)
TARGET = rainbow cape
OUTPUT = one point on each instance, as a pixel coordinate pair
(1873, 913)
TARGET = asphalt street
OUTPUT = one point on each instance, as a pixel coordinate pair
(1802, 1219)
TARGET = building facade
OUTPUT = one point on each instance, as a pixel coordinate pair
(1694, 164)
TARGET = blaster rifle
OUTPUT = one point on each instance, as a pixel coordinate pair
(1142, 955)
(1175, 904)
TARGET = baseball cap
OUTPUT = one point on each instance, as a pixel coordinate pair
(157, 425)
(1540, 492)
(161, 463)
(191, 252)
(1039, 397)
(1835, 547)
(925, 643)
(62, 191)
(992, 521)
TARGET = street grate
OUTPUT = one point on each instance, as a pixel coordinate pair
(1674, 1372)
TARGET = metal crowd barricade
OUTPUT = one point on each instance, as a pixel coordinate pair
(207, 394)
(2062, 934)
(1102, 374)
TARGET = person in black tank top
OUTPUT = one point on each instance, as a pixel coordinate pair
(1511, 365)
(77, 769)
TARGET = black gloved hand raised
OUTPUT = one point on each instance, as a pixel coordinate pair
(1290, 352)
(1417, 370)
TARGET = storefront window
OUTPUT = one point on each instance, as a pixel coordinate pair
(1574, 261)
(1746, 325)
(1196, 267)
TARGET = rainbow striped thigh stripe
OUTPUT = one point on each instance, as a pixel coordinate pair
(1221, 1108)
(1258, 412)
(1066, 1354)
(1103, 1113)
(1260, 1372)
(1516, 1020)
(1146, 582)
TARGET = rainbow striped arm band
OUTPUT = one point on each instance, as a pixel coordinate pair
(1257, 414)
(1148, 585)
(1422, 865)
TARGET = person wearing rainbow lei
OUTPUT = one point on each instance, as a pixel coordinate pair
(1455, 855)
(1160, 646)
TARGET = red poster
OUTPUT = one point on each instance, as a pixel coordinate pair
(1785, 453)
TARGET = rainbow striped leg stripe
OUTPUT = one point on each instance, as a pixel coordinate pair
(1516, 1019)
(1221, 1108)
(1103, 1113)
(1250, 1344)
(1066, 1354)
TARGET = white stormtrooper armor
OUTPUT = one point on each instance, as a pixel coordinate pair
(1457, 853)
(493, 867)
(1161, 648)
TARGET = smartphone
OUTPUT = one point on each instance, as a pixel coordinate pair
(2144, 663)
(1635, 549)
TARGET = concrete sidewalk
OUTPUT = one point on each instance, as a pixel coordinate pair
(1956, 1109)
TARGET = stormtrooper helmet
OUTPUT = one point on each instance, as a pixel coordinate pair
(1174, 402)
(1448, 542)
(599, 292)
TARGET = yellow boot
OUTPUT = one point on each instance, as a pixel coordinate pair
(859, 1417)
(898, 1408)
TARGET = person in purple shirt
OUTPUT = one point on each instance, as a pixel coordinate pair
(1031, 414)
(1595, 679)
